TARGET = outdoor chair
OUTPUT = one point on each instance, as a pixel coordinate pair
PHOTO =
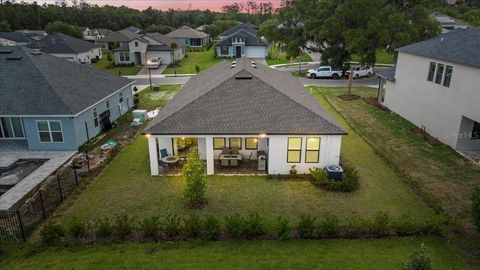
(235, 151)
(163, 153)
(224, 162)
(226, 150)
(234, 163)
(163, 165)
(247, 158)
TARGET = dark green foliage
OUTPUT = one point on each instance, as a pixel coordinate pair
(405, 225)
(195, 175)
(254, 226)
(380, 224)
(76, 229)
(150, 226)
(306, 226)
(419, 260)
(122, 226)
(197, 68)
(192, 226)
(212, 227)
(282, 228)
(235, 225)
(103, 228)
(349, 182)
(52, 234)
(476, 207)
(329, 226)
(64, 28)
(355, 227)
(172, 225)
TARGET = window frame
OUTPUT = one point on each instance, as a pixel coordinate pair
(107, 105)
(224, 52)
(120, 97)
(315, 150)
(251, 138)
(224, 143)
(431, 73)
(230, 142)
(444, 83)
(438, 74)
(50, 131)
(9, 122)
(95, 117)
(296, 150)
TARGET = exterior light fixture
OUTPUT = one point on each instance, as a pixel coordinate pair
(263, 135)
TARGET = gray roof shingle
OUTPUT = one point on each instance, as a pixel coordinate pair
(41, 84)
(458, 46)
(218, 101)
(60, 43)
(250, 39)
(168, 41)
(186, 32)
(238, 27)
(15, 36)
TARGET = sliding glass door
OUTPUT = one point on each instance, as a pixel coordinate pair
(11, 128)
(181, 146)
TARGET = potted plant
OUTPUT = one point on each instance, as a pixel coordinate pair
(293, 169)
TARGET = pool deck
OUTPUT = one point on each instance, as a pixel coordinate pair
(13, 151)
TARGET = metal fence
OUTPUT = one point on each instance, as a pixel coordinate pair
(16, 225)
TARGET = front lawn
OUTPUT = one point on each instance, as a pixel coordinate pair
(105, 66)
(203, 59)
(276, 57)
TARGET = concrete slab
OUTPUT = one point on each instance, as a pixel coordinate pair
(158, 71)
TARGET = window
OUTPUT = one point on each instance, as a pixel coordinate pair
(95, 117)
(251, 143)
(312, 150)
(120, 97)
(136, 43)
(448, 76)
(431, 71)
(223, 50)
(294, 150)
(475, 131)
(50, 131)
(107, 105)
(439, 74)
(218, 143)
(124, 56)
(235, 143)
(11, 127)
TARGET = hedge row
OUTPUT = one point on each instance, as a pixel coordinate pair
(253, 226)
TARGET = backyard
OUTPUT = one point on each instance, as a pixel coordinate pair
(105, 65)
(204, 59)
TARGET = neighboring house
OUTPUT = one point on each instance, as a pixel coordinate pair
(448, 23)
(201, 28)
(54, 104)
(250, 107)
(140, 49)
(34, 34)
(135, 30)
(241, 43)
(14, 39)
(116, 39)
(94, 33)
(86, 33)
(190, 37)
(241, 26)
(67, 47)
(436, 87)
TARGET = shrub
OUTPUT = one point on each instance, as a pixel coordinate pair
(172, 225)
(150, 226)
(306, 226)
(122, 226)
(197, 68)
(103, 228)
(419, 260)
(380, 224)
(434, 224)
(212, 227)
(76, 228)
(195, 175)
(330, 226)
(405, 225)
(476, 208)
(254, 226)
(235, 225)
(282, 228)
(355, 227)
(52, 234)
(348, 183)
(192, 226)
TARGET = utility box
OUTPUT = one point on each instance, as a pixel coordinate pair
(334, 172)
(141, 115)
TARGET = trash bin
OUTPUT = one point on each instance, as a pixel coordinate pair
(262, 162)
(334, 172)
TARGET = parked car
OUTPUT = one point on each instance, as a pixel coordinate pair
(360, 71)
(324, 72)
(154, 62)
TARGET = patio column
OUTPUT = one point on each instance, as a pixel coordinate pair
(153, 153)
(209, 155)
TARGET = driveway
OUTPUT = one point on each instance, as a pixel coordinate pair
(158, 71)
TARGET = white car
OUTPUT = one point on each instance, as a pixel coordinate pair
(360, 71)
(154, 62)
(324, 72)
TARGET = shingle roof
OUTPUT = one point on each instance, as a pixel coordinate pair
(219, 101)
(458, 46)
(164, 39)
(101, 31)
(119, 36)
(60, 43)
(15, 36)
(186, 32)
(238, 27)
(134, 29)
(250, 39)
(387, 74)
(41, 84)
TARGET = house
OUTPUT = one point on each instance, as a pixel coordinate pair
(142, 48)
(69, 48)
(34, 34)
(53, 104)
(135, 30)
(94, 33)
(249, 108)
(190, 37)
(448, 23)
(436, 87)
(14, 39)
(241, 41)
(113, 40)
(241, 26)
(86, 33)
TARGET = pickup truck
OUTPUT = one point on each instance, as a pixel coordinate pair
(324, 72)
(360, 71)
(154, 62)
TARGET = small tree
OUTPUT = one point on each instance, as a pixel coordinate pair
(476, 208)
(173, 46)
(197, 68)
(109, 58)
(195, 175)
(419, 260)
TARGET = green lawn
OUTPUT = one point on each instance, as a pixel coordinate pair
(383, 57)
(104, 65)
(276, 57)
(204, 60)
(325, 254)
(150, 99)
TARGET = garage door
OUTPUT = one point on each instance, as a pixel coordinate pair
(255, 52)
(166, 56)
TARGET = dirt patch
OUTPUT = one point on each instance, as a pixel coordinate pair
(427, 137)
(373, 102)
(347, 97)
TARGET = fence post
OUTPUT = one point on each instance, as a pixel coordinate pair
(41, 202)
(21, 225)
(75, 172)
(60, 187)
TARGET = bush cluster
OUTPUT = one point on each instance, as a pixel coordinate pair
(252, 226)
(348, 183)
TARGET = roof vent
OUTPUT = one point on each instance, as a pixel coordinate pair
(15, 57)
(243, 77)
(6, 51)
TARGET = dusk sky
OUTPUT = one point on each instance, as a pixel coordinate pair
(166, 4)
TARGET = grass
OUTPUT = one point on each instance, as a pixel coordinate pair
(104, 65)
(382, 57)
(203, 59)
(327, 254)
(150, 100)
(276, 57)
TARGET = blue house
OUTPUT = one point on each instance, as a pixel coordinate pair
(54, 104)
(241, 41)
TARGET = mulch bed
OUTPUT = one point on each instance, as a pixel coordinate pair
(427, 137)
(347, 97)
(373, 102)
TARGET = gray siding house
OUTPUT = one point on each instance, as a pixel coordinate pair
(190, 37)
(54, 104)
(241, 41)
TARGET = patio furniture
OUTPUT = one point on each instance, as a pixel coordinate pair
(163, 153)
(234, 162)
(224, 162)
(247, 158)
(170, 159)
(225, 150)
(234, 151)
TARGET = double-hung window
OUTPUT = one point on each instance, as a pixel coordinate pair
(312, 150)
(294, 150)
(218, 143)
(439, 73)
(95, 117)
(448, 76)
(120, 97)
(107, 105)
(50, 131)
(431, 71)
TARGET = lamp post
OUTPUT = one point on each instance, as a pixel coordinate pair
(150, 77)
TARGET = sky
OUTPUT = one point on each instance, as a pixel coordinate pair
(215, 5)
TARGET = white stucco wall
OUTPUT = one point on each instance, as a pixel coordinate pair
(438, 108)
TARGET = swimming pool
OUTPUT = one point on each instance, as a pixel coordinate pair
(17, 171)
